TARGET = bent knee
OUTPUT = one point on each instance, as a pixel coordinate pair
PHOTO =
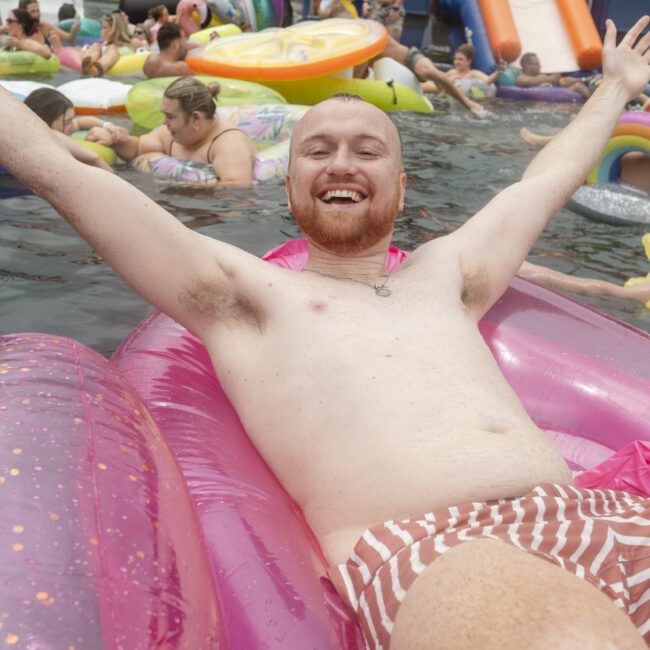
(488, 594)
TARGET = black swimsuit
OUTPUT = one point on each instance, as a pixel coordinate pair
(207, 153)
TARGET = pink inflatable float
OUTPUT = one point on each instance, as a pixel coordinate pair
(137, 513)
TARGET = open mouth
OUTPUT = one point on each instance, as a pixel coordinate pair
(341, 197)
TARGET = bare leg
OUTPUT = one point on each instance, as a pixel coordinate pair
(109, 58)
(487, 594)
(90, 58)
(425, 70)
(534, 138)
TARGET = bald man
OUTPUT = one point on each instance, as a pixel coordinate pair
(405, 440)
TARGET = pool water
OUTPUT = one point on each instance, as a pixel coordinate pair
(51, 281)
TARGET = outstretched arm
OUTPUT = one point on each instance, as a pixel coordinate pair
(586, 286)
(493, 244)
(128, 146)
(197, 280)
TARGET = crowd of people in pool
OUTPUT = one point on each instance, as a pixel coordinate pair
(193, 130)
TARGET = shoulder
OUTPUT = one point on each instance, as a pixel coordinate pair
(151, 64)
(230, 136)
(161, 133)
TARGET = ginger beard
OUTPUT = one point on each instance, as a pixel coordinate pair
(345, 229)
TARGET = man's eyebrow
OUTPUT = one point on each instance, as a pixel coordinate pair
(318, 137)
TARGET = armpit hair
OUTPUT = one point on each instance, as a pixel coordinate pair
(217, 299)
(476, 286)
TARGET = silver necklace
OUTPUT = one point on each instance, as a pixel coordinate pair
(381, 288)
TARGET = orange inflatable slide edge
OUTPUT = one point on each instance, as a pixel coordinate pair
(580, 26)
(501, 30)
(582, 32)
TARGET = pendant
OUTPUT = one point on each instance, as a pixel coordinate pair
(382, 290)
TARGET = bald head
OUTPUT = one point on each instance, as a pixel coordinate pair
(344, 107)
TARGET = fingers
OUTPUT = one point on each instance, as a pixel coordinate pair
(637, 28)
(610, 34)
(643, 44)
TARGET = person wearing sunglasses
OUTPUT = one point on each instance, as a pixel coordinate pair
(19, 27)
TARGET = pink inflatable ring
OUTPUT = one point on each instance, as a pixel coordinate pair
(137, 513)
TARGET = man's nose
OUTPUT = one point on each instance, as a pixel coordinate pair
(342, 162)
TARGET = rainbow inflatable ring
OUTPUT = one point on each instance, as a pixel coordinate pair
(268, 126)
(137, 513)
(631, 134)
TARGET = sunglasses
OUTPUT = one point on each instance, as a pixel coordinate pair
(11, 20)
(138, 32)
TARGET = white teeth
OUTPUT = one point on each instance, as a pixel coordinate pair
(342, 194)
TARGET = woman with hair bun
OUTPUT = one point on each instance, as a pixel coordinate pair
(191, 131)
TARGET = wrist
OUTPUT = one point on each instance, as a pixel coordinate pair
(614, 90)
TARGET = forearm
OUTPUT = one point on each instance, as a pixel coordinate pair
(68, 37)
(128, 148)
(529, 81)
(85, 122)
(30, 45)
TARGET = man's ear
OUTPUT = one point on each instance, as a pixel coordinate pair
(402, 189)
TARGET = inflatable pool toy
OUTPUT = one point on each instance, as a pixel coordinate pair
(475, 88)
(391, 87)
(130, 63)
(93, 96)
(611, 203)
(138, 472)
(89, 29)
(603, 198)
(632, 133)
(268, 126)
(207, 34)
(107, 154)
(539, 94)
(645, 240)
(388, 95)
(21, 88)
(21, 63)
(305, 50)
(144, 99)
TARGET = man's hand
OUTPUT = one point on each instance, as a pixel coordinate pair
(629, 63)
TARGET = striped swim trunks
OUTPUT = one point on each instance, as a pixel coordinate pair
(601, 536)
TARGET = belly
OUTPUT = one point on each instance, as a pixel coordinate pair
(413, 473)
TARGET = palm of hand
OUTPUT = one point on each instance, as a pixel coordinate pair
(629, 63)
